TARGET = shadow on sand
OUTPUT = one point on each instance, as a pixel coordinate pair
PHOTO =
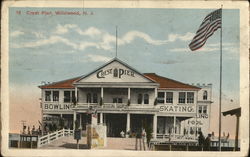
(74, 146)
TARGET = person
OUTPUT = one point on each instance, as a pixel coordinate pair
(201, 139)
(29, 130)
(207, 142)
(122, 134)
(33, 130)
(143, 133)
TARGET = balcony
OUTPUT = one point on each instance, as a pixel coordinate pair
(186, 109)
(114, 106)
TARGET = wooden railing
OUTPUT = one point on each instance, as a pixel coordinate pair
(53, 136)
(176, 137)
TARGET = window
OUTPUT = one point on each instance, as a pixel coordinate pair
(73, 96)
(200, 109)
(169, 97)
(190, 97)
(66, 96)
(204, 109)
(89, 98)
(139, 100)
(47, 95)
(55, 95)
(69, 96)
(160, 98)
(119, 100)
(182, 97)
(205, 95)
(146, 99)
(92, 98)
(115, 72)
(95, 98)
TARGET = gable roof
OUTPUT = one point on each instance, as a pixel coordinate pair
(65, 84)
(166, 83)
(111, 61)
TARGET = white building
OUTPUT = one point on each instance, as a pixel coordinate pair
(128, 100)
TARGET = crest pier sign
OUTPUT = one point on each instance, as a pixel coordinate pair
(117, 72)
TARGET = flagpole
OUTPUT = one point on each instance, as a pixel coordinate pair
(116, 42)
(220, 82)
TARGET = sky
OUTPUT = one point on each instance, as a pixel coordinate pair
(56, 47)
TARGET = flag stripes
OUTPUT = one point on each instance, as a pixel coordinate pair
(208, 26)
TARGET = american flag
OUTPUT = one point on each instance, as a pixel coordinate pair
(208, 26)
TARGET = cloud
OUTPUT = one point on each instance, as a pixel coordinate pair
(51, 40)
(173, 37)
(64, 29)
(229, 47)
(98, 58)
(39, 35)
(100, 39)
(91, 31)
(131, 35)
(84, 45)
(16, 33)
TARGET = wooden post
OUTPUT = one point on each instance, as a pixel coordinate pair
(30, 141)
(237, 133)
(38, 142)
(135, 143)
(77, 141)
(48, 138)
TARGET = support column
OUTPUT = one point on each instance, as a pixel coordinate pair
(101, 118)
(80, 121)
(101, 92)
(156, 96)
(74, 120)
(128, 122)
(156, 93)
(174, 125)
(76, 94)
(128, 93)
(154, 126)
(102, 97)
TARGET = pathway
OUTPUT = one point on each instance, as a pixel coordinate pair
(112, 143)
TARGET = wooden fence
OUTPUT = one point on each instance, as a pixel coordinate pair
(53, 136)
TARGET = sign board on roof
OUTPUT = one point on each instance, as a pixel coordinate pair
(115, 72)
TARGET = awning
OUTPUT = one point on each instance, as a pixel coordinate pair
(236, 111)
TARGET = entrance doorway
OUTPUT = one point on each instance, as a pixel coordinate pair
(86, 119)
(115, 124)
(140, 121)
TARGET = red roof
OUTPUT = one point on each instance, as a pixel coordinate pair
(166, 83)
(61, 84)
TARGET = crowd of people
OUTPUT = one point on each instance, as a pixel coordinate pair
(32, 131)
(203, 142)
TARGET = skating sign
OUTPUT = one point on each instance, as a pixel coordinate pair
(177, 109)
